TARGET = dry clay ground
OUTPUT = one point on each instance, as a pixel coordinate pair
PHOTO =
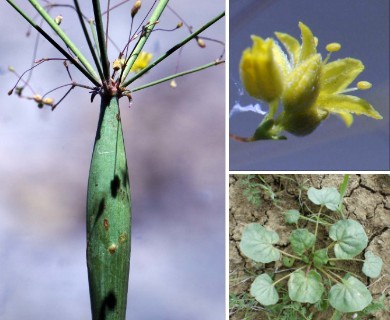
(367, 199)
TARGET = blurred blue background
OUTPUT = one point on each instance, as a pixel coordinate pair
(175, 145)
(362, 28)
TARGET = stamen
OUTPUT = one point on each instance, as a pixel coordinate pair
(364, 85)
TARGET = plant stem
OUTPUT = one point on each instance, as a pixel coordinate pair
(316, 230)
(328, 275)
(290, 255)
(86, 34)
(101, 39)
(287, 276)
(141, 42)
(55, 44)
(177, 75)
(108, 218)
(64, 37)
(170, 51)
(343, 187)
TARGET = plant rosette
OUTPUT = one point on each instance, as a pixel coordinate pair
(315, 272)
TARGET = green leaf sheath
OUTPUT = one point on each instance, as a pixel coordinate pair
(108, 218)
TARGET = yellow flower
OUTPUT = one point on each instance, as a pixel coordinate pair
(141, 62)
(309, 87)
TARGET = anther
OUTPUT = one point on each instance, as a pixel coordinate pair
(363, 85)
(333, 47)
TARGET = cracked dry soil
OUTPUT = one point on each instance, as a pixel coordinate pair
(367, 199)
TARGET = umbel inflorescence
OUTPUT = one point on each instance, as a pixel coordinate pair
(308, 87)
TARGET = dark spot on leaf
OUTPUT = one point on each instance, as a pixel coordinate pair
(115, 184)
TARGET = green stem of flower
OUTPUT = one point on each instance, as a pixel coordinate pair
(170, 51)
(328, 275)
(273, 108)
(69, 43)
(290, 255)
(90, 45)
(94, 36)
(281, 279)
(141, 42)
(101, 39)
(54, 43)
(316, 230)
(177, 75)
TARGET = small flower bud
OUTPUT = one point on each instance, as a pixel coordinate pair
(48, 101)
(200, 42)
(11, 68)
(173, 84)
(58, 19)
(118, 64)
(179, 24)
(135, 8)
(37, 98)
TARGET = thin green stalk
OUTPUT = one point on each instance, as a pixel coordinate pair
(316, 230)
(94, 35)
(343, 188)
(172, 50)
(101, 39)
(177, 75)
(108, 217)
(141, 42)
(54, 43)
(290, 255)
(86, 34)
(279, 280)
(69, 43)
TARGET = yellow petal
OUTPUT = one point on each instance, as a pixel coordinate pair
(347, 117)
(340, 103)
(260, 73)
(291, 44)
(308, 43)
(302, 85)
(338, 75)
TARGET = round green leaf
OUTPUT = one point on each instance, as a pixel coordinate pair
(301, 240)
(291, 216)
(350, 238)
(263, 290)
(320, 257)
(349, 296)
(257, 243)
(372, 265)
(305, 287)
(328, 197)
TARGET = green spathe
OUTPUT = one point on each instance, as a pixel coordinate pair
(328, 197)
(305, 287)
(108, 218)
(264, 291)
(349, 296)
(257, 243)
(350, 238)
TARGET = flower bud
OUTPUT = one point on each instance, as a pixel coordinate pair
(260, 72)
(135, 8)
(118, 64)
(200, 42)
(302, 85)
(58, 19)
